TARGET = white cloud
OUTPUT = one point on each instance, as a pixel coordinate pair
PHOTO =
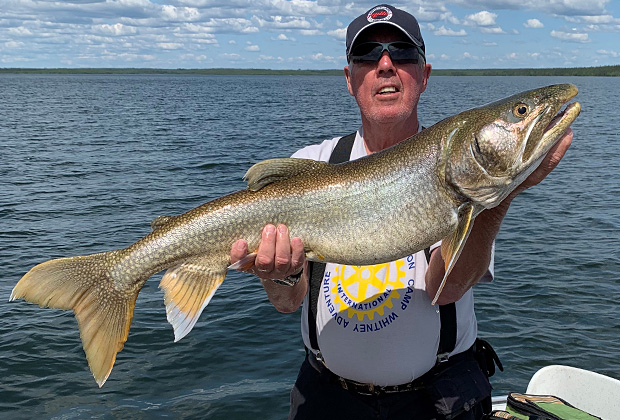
(14, 44)
(20, 31)
(443, 31)
(600, 19)
(495, 30)
(482, 18)
(282, 22)
(557, 7)
(533, 23)
(310, 32)
(179, 14)
(610, 53)
(170, 45)
(252, 48)
(570, 36)
(114, 30)
(231, 56)
(340, 33)
(326, 58)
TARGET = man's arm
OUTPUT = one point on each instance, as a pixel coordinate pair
(278, 256)
(476, 255)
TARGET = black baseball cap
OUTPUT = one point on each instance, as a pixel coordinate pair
(385, 14)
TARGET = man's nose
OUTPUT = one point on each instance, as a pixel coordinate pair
(385, 63)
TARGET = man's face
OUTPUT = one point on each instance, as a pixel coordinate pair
(386, 92)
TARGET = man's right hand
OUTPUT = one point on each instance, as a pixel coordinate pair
(278, 256)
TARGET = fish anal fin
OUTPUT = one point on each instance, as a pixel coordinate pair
(452, 245)
(188, 289)
(84, 284)
(272, 170)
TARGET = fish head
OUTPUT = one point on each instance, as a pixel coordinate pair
(490, 150)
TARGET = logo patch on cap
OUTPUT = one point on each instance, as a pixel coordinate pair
(379, 13)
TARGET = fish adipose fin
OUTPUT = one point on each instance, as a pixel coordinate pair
(85, 285)
(188, 289)
(452, 246)
(272, 170)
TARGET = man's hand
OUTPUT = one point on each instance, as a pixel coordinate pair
(476, 254)
(278, 256)
(550, 161)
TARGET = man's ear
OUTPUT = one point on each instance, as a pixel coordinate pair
(426, 73)
(347, 75)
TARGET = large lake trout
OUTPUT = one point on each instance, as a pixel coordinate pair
(373, 210)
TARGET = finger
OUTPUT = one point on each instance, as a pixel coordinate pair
(282, 263)
(298, 255)
(266, 250)
(551, 160)
(238, 250)
(559, 149)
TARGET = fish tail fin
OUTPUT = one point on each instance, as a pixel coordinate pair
(188, 289)
(103, 307)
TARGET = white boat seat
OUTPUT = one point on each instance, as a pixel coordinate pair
(592, 392)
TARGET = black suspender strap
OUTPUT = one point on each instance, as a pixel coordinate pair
(342, 151)
(447, 319)
(316, 271)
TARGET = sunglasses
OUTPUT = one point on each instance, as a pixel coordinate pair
(400, 52)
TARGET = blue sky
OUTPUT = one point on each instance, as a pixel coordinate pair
(300, 34)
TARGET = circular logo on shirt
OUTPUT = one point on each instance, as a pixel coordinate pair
(367, 290)
(379, 13)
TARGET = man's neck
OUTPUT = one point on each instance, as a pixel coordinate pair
(381, 136)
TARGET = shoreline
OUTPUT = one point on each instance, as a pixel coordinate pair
(602, 71)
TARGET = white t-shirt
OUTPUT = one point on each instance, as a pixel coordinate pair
(375, 324)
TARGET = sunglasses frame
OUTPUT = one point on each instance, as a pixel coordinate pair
(385, 47)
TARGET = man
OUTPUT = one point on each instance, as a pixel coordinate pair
(377, 348)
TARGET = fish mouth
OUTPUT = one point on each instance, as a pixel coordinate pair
(556, 126)
(563, 119)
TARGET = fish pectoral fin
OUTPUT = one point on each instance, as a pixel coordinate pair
(272, 170)
(188, 289)
(158, 222)
(85, 284)
(452, 246)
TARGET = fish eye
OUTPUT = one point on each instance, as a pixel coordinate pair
(521, 110)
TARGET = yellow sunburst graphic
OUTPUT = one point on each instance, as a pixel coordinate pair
(368, 289)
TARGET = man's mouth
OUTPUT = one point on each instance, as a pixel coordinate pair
(387, 89)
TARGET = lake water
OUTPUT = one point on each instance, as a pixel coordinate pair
(88, 161)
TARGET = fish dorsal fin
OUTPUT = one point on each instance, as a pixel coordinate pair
(272, 170)
(160, 221)
(452, 246)
(188, 289)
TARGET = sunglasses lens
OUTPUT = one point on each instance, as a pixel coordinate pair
(400, 52)
(403, 52)
(368, 52)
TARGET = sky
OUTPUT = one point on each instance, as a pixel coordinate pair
(300, 34)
